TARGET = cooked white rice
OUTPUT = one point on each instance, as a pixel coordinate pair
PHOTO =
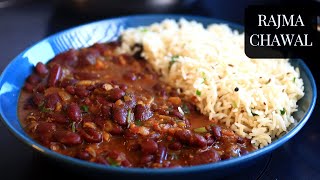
(210, 64)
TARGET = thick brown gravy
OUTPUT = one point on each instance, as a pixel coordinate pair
(98, 106)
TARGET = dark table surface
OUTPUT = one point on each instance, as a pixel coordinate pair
(24, 25)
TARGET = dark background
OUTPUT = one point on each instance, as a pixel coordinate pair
(22, 25)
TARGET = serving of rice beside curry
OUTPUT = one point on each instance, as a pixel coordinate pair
(255, 97)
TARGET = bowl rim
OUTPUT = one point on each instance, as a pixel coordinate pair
(204, 167)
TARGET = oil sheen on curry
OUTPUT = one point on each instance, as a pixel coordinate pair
(113, 109)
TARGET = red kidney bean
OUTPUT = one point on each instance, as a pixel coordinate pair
(225, 156)
(74, 112)
(176, 113)
(119, 115)
(38, 99)
(162, 111)
(28, 104)
(100, 121)
(100, 47)
(175, 146)
(240, 140)
(131, 76)
(101, 160)
(81, 91)
(205, 157)
(85, 75)
(68, 82)
(67, 137)
(41, 87)
(161, 91)
(91, 135)
(133, 146)
(198, 141)
(116, 130)
(161, 154)
(243, 151)
(33, 79)
(84, 155)
(54, 75)
(59, 118)
(130, 135)
(115, 94)
(46, 128)
(115, 154)
(149, 146)
(69, 58)
(45, 131)
(210, 141)
(216, 131)
(88, 57)
(123, 87)
(41, 69)
(28, 87)
(106, 111)
(142, 112)
(183, 135)
(147, 158)
(155, 136)
(70, 90)
(131, 103)
(126, 163)
(52, 100)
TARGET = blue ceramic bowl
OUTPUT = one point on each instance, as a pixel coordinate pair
(13, 77)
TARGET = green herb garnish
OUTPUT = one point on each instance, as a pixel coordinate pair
(173, 60)
(129, 119)
(185, 109)
(73, 126)
(85, 108)
(44, 109)
(113, 162)
(294, 79)
(144, 30)
(200, 130)
(198, 93)
(138, 122)
(283, 111)
(204, 77)
(234, 104)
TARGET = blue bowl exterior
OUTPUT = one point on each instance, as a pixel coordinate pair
(12, 79)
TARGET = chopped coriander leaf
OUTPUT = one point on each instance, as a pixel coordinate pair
(44, 109)
(198, 93)
(234, 104)
(85, 108)
(200, 130)
(173, 60)
(138, 122)
(294, 79)
(283, 111)
(144, 30)
(185, 109)
(204, 77)
(113, 162)
(73, 126)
